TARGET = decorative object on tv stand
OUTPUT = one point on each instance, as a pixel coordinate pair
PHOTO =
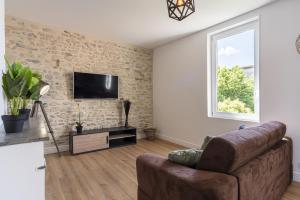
(150, 133)
(127, 105)
(180, 9)
(298, 44)
(43, 89)
(17, 83)
(79, 124)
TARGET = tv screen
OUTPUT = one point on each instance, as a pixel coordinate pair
(95, 86)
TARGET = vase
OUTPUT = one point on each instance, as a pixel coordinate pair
(126, 121)
(127, 104)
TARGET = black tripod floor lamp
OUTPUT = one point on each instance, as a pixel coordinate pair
(45, 87)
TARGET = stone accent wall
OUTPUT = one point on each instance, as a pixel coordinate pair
(56, 54)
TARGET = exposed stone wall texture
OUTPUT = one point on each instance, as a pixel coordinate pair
(56, 54)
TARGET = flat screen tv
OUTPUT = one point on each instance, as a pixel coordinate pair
(95, 86)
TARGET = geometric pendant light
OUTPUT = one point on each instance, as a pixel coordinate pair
(180, 9)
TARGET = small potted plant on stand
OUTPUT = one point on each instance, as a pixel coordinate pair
(15, 82)
(79, 123)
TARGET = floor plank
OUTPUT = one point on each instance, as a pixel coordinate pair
(108, 174)
(293, 192)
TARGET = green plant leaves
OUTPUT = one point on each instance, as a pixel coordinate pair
(20, 84)
(34, 92)
(34, 87)
(15, 105)
(235, 90)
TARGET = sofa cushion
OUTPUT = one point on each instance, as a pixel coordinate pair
(186, 157)
(227, 152)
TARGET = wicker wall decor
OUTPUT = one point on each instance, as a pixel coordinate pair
(298, 44)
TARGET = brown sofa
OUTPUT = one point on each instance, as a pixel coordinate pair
(249, 164)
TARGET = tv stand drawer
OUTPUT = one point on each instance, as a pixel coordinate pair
(90, 142)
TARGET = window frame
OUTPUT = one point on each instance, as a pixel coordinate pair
(212, 38)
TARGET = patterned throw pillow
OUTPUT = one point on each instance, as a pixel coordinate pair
(188, 157)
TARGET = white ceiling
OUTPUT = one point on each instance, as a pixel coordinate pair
(143, 23)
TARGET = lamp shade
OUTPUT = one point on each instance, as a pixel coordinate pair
(44, 88)
(180, 9)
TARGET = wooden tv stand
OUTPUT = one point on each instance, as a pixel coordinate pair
(99, 139)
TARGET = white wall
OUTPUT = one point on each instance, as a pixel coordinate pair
(180, 80)
(2, 49)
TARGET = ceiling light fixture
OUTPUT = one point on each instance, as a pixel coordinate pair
(180, 9)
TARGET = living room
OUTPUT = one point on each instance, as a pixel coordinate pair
(175, 99)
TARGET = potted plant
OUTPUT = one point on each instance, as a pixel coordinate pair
(79, 123)
(24, 111)
(32, 94)
(15, 84)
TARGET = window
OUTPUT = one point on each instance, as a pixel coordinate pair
(233, 74)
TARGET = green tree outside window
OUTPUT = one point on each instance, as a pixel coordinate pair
(235, 90)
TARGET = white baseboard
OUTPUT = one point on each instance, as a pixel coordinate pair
(52, 149)
(178, 141)
(297, 176)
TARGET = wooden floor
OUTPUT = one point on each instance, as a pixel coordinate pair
(108, 174)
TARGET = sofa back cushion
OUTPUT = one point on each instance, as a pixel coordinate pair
(228, 152)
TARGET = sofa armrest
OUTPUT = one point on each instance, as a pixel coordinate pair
(160, 179)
